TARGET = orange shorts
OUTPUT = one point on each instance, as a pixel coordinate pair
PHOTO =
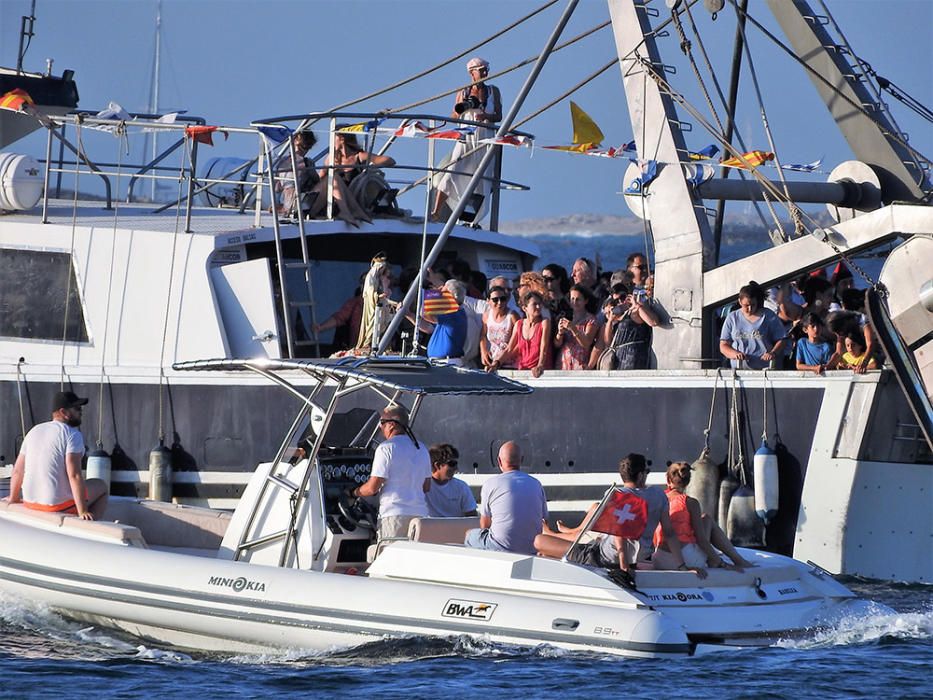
(68, 506)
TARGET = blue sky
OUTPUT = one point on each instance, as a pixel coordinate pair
(237, 60)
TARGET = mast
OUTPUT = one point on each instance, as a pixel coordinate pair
(868, 131)
(155, 78)
(677, 222)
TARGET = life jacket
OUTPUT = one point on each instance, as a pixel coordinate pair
(680, 520)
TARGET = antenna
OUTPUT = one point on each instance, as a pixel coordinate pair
(25, 35)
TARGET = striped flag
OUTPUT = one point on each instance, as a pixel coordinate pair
(437, 302)
(754, 159)
(452, 134)
(411, 129)
(361, 127)
(510, 140)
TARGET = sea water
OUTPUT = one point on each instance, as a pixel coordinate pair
(877, 654)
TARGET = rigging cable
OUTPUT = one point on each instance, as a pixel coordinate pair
(186, 154)
(504, 71)
(795, 214)
(120, 132)
(738, 135)
(71, 247)
(811, 71)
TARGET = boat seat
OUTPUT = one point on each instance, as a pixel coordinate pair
(171, 524)
(126, 534)
(715, 577)
(441, 530)
(54, 519)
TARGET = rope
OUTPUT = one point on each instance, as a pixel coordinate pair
(19, 396)
(592, 76)
(736, 431)
(171, 279)
(764, 407)
(709, 423)
(121, 133)
(71, 246)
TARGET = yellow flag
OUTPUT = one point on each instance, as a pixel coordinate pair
(585, 130)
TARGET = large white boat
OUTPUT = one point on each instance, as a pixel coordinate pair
(293, 566)
(105, 295)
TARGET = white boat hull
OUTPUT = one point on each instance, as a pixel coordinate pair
(413, 589)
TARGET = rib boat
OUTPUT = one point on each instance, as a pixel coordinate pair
(105, 292)
(295, 567)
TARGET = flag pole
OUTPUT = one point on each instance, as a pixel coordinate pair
(592, 519)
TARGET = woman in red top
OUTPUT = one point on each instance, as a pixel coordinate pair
(701, 539)
(530, 345)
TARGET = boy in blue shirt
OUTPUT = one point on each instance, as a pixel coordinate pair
(812, 354)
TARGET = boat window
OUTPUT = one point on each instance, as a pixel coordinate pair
(36, 288)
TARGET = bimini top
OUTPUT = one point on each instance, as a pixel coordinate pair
(415, 375)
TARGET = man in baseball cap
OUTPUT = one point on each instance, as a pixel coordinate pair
(47, 474)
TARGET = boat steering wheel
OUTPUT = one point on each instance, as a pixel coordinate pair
(358, 512)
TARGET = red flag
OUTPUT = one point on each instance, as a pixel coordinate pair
(204, 134)
(438, 302)
(15, 99)
(624, 515)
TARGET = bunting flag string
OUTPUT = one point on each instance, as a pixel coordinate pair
(204, 134)
(116, 112)
(751, 159)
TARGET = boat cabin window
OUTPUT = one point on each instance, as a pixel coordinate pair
(36, 288)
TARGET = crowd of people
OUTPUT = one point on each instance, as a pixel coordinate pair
(591, 319)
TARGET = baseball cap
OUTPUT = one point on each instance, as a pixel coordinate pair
(477, 62)
(67, 399)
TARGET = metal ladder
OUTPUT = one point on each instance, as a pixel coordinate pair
(287, 304)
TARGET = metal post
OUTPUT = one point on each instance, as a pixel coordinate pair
(283, 290)
(480, 170)
(45, 184)
(586, 526)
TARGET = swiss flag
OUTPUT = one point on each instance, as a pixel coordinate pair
(624, 515)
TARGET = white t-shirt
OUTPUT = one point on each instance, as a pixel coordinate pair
(451, 500)
(404, 468)
(46, 480)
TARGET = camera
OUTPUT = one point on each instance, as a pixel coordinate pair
(640, 295)
(471, 102)
(617, 310)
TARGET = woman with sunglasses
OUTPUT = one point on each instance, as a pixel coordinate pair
(576, 332)
(498, 322)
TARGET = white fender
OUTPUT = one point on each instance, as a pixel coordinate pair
(766, 482)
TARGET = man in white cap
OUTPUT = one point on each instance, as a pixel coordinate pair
(47, 474)
(478, 102)
(487, 102)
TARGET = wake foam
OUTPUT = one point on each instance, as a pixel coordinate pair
(870, 623)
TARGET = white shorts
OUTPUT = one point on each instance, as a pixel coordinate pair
(693, 557)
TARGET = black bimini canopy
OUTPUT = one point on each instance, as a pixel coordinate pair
(414, 375)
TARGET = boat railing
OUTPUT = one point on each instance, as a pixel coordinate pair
(396, 128)
(255, 181)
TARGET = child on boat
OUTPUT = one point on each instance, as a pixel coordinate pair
(855, 355)
(701, 540)
(813, 353)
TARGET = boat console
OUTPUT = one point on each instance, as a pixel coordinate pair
(350, 524)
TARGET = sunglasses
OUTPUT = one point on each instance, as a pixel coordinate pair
(383, 421)
(497, 300)
(639, 267)
(549, 279)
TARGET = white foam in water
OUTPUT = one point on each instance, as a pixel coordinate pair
(868, 623)
(87, 639)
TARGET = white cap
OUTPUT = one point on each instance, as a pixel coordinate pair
(477, 62)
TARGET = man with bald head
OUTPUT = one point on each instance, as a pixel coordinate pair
(401, 475)
(512, 508)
